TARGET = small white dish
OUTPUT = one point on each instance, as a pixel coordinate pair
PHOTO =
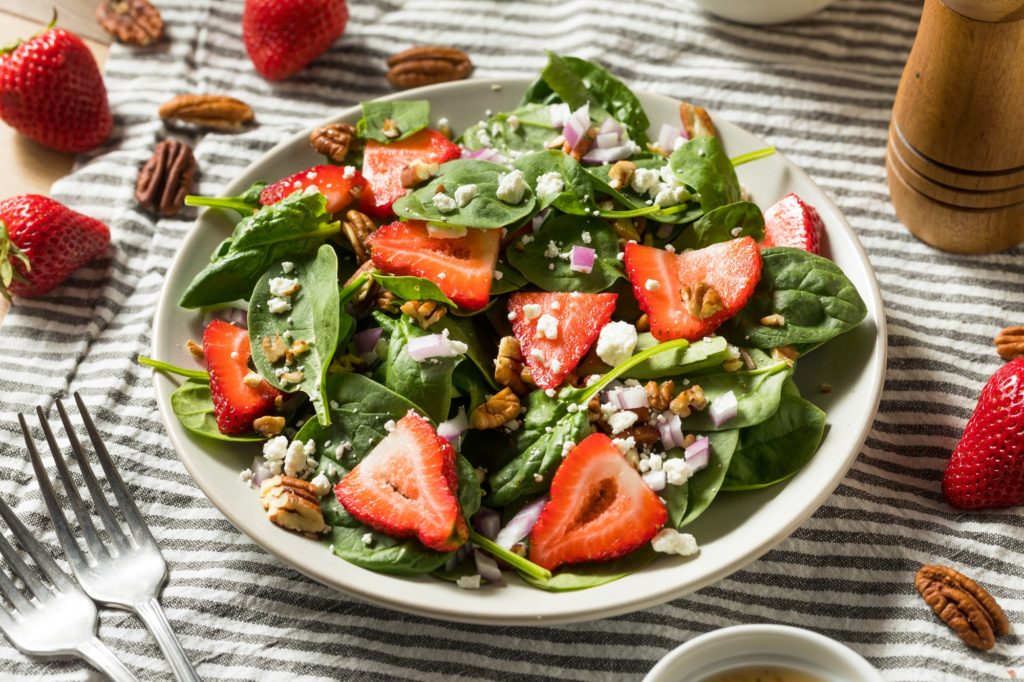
(749, 645)
(760, 12)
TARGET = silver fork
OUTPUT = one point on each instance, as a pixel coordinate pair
(54, 620)
(129, 571)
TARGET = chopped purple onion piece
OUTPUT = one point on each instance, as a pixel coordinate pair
(581, 259)
(671, 431)
(723, 408)
(520, 525)
(487, 567)
(487, 522)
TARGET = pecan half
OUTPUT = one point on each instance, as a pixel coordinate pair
(962, 604)
(357, 228)
(195, 349)
(621, 174)
(217, 112)
(692, 398)
(268, 426)
(427, 65)
(659, 395)
(696, 121)
(334, 140)
(773, 320)
(508, 366)
(425, 313)
(273, 347)
(1010, 343)
(293, 504)
(135, 22)
(166, 178)
(500, 408)
(701, 300)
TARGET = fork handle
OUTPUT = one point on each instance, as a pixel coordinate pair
(152, 615)
(103, 659)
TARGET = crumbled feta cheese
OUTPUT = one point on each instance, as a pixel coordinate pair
(389, 425)
(671, 541)
(443, 122)
(526, 239)
(643, 179)
(620, 421)
(736, 231)
(511, 316)
(443, 202)
(322, 484)
(342, 448)
(348, 172)
(531, 311)
(295, 459)
(549, 392)
(547, 326)
(666, 197)
(652, 285)
(246, 476)
(469, 582)
(367, 538)
(551, 251)
(483, 138)
(616, 342)
(678, 470)
(538, 355)
(670, 248)
(497, 275)
(287, 266)
(572, 408)
(625, 445)
(278, 305)
(511, 187)
(567, 447)
(586, 238)
(512, 120)
(274, 451)
(549, 184)
(465, 194)
(666, 175)
(496, 129)
(309, 448)
(555, 365)
(655, 461)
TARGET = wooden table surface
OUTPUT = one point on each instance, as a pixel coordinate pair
(30, 168)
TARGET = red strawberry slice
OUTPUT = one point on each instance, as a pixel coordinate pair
(662, 279)
(407, 486)
(235, 403)
(600, 508)
(987, 466)
(791, 222)
(461, 267)
(555, 330)
(341, 187)
(383, 165)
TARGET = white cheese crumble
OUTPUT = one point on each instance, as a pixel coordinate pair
(538, 355)
(513, 121)
(283, 286)
(677, 470)
(511, 187)
(735, 232)
(287, 266)
(349, 172)
(389, 425)
(443, 202)
(549, 392)
(551, 251)
(547, 326)
(652, 285)
(643, 180)
(616, 342)
(620, 421)
(483, 138)
(274, 451)
(586, 238)
(367, 538)
(469, 582)
(246, 476)
(278, 305)
(295, 458)
(531, 311)
(465, 194)
(671, 541)
(549, 184)
(322, 485)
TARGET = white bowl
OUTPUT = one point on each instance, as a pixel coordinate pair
(738, 528)
(781, 645)
(763, 11)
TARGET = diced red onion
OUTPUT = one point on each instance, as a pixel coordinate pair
(423, 348)
(367, 339)
(577, 125)
(235, 316)
(723, 408)
(259, 469)
(595, 155)
(520, 525)
(581, 259)
(454, 429)
(667, 136)
(632, 397)
(610, 125)
(559, 114)
(539, 219)
(655, 480)
(671, 431)
(487, 522)
(484, 154)
(697, 453)
(606, 140)
(487, 567)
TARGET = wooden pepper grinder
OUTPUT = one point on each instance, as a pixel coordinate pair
(955, 156)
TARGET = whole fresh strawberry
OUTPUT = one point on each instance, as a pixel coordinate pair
(282, 36)
(51, 91)
(987, 466)
(44, 241)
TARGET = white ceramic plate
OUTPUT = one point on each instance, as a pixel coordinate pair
(735, 531)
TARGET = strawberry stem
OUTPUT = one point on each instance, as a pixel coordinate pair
(173, 369)
(348, 291)
(7, 49)
(619, 370)
(517, 562)
(11, 255)
(752, 156)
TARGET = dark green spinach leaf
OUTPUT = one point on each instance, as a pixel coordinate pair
(408, 117)
(702, 165)
(757, 392)
(581, 576)
(409, 288)
(512, 133)
(193, 407)
(429, 383)
(566, 231)
(711, 351)
(705, 485)
(509, 281)
(732, 221)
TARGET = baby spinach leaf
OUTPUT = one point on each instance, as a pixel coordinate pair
(702, 165)
(775, 449)
(676, 497)
(384, 554)
(243, 204)
(293, 227)
(315, 317)
(812, 294)
(408, 117)
(193, 407)
(510, 280)
(480, 343)
(581, 576)
(409, 288)
(429, 383)
(470, 384)
(722, 224)
(484, 211)
(512, 133)
(628, 197)
(547, 427)
(566, 231)
(704, 485)
(757, 391)
(709, 352)
(577, 196)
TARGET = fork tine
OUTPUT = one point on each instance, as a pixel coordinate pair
(92, 538)
(11, 593)
(34, 548)
(60, 522)
(99, 499)
(20, 569)
(131, 512)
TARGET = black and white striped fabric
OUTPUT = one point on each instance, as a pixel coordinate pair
(821, 90)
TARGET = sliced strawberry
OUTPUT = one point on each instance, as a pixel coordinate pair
(555, 330)
(407, 486)
(235, 403)
(461, 267)
(661, 280)
(341, 187)
(383, 165)
(600, 508)
(791, 222)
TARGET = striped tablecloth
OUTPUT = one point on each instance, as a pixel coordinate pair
(821, 90)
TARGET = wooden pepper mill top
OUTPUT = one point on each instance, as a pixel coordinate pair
(955, 156)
